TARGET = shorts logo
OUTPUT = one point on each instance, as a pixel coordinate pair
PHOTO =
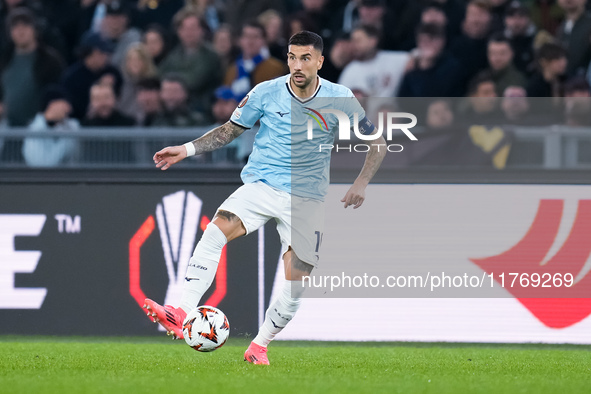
(179, 218)
(243, 102)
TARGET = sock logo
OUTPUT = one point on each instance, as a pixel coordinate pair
(179, 218)
(199, 266)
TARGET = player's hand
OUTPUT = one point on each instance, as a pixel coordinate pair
(355, 196)
(169, 156)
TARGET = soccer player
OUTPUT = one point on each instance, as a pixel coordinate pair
(286, 173)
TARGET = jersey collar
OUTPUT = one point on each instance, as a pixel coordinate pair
(290, 90)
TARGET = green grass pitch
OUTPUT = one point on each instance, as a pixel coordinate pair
(142, 365)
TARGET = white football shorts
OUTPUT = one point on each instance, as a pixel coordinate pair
(300, 220)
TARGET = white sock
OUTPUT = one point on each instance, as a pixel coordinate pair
(202, 266)
(280, 312)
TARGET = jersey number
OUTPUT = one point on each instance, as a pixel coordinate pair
(318, 240)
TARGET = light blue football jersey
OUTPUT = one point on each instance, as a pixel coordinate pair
(283, 156)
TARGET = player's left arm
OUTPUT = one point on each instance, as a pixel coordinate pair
(356, 193)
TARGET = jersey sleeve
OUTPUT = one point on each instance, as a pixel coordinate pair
(352, 107)
(249, 110)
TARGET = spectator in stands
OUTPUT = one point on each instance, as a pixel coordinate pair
(148, 99)
(348, 17)
(26, 69)
(440, 116)
(225, 103)
(339, 56)
(138, 66)
(546, 15)
(93, 66)
(500, 60)
(455, 11)
(223, 45)
(150, 12)
(523, 36)
(470, 47)
(375, 13)
(45, 31)
(378, 73)
(174, 95)
(432, 14)
(498, 10)
(318, 12)
(432, 71)
(546, 82)
(115, 29)
(254, 65)
(574, 35)
(577, 102)
(194, 60)
(102, 111)
(157, 41)
(515, 105)
(210, 10)
(54, 116)
(397, 20)
(482, 100)
(92, 14)
(238, 11)
(272, 21)
(63, 17)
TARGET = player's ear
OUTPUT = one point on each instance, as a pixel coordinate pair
(320, 62)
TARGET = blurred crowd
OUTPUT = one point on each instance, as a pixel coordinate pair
(98, 63)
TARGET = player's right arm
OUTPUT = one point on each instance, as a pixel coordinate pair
(214, 139)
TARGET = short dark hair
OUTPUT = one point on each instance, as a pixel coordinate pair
(480, 78)
(434, 5)
(370, 30)
(185, 13)
(176, 77)
(482, 4)
(431, 30)
(576, 84)
(21, 15)
(149, 84)
(550, 51)
(499, 38)
(305, 38)
(256, 25)
(51, 93)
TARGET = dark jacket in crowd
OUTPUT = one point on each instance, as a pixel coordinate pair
(577, 44)
(47, 69)
(471, 53)
(444, 79)
(538, 87)
(78, 80)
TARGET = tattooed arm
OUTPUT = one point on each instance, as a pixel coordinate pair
(214, 139)
(356, 193)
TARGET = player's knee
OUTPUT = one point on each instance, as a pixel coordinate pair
(300, 265)
(230, 224)
(295, 267)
